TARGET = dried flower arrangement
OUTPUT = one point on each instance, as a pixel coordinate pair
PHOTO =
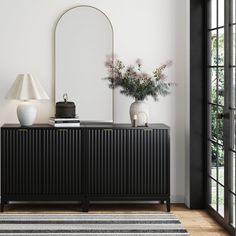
(134, 82)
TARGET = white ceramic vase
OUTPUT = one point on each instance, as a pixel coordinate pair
(139, 109)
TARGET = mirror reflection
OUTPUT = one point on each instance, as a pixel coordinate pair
(83, 39)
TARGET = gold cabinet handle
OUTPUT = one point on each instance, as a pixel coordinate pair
(108, 130)
(146, 130)
(62, 130)
(22, 130)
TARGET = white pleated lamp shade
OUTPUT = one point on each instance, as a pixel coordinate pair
(25, 87)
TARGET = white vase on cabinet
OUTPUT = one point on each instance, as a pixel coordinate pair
(139, 109)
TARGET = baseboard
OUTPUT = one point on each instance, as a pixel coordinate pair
(177, 199)
(186, 202)
(174, 199)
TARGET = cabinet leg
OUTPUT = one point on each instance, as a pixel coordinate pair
(2, 207)
(85, 205)
(168, 205)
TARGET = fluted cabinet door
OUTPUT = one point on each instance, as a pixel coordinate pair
(21, 162)
(114, 162)
(62, 162)
(107, 162)
(147, 161)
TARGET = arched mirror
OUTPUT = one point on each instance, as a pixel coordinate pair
(83, 39)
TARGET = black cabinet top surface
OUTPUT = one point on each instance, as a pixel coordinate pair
(87, 125)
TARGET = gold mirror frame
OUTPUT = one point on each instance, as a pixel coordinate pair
(54, 59)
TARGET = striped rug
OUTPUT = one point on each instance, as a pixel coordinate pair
(91, 224)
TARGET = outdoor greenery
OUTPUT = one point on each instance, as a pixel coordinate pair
(217, 151)
(134, 82)
(217, 97)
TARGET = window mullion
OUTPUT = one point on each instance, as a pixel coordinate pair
(227, 96)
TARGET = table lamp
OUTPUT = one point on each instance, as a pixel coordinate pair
(26, 88)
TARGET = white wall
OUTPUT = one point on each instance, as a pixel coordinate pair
(154, 30)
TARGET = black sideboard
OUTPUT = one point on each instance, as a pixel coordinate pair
(106, 162)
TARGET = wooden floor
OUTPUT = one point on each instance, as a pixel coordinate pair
(197, 222)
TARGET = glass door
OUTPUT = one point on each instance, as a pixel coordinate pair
(221, 110)
(231, 193)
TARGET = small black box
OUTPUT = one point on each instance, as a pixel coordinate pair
(65, 109)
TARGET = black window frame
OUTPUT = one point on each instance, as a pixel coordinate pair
(199, 108)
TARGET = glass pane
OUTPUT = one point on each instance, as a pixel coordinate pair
(213, 153)
(213, 95)
(221, 200)
(233, 91)
(233, 31)
(221, 47)
(221, 14)
(220, 127)
(213, 121)
(217, 125)
(234, 86)
(221, 165)
(221, 86)
(234, 141)
(233, 11)
(232, 209)
(213, 11)
(232, 165)
(213, 198)
(213, 46)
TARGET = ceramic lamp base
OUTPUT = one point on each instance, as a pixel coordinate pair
(26, 113)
